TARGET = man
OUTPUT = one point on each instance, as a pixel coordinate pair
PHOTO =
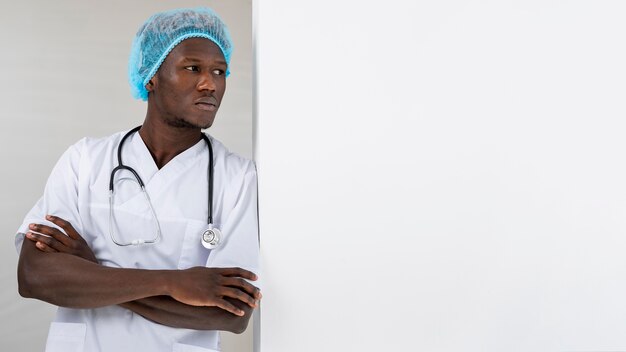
(126, 238)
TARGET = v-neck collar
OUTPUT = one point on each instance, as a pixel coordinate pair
(153, 177)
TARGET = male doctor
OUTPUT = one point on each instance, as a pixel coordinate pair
(157, 255)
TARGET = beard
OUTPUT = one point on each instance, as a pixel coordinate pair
(179, 122)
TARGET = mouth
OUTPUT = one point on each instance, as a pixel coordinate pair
(206, 104)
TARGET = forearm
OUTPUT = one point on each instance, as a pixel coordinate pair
(167, 311)
(70, 281)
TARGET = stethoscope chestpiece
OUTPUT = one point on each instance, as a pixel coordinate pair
(211, 237)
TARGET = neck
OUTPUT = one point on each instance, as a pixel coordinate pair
(165, 142)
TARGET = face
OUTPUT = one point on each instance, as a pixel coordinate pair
(188, 87)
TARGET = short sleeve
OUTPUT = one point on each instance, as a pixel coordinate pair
(60, 197)
(240, 231)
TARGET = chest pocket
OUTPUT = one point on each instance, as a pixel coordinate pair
(193, 252)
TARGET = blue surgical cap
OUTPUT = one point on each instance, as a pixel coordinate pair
(162, 32)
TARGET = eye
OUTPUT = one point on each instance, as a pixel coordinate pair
(192, 68)
(218, 72)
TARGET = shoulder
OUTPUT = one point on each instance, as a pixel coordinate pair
(232, 164)
(94, 148)
(90, 154)
(96, 144)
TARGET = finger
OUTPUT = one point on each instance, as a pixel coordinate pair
(52, 232)
(243, 284)
(65, 225)
(227, 306)
(34, 237)
(48, 241)
(30, 236)
(239, 272)
(44, 247)
(240, 295)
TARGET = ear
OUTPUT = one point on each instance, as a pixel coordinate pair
(150, 84)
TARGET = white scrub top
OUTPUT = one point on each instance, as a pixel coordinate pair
(78, 191)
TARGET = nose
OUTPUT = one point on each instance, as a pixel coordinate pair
(206, 82)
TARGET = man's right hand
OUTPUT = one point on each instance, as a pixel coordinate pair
(54, 240)
(201, 286)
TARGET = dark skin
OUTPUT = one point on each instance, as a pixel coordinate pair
(183, 98)
(61, 269)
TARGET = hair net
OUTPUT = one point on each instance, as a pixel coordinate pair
(162, 32)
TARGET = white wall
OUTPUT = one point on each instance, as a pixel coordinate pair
(64, 76)
(442, 175)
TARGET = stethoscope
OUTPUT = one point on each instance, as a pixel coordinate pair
(210, 237)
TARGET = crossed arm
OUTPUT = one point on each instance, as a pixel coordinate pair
(63, 270)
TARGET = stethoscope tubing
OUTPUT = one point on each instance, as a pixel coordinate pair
(121, 166)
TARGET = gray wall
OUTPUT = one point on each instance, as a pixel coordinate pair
(63, 69)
